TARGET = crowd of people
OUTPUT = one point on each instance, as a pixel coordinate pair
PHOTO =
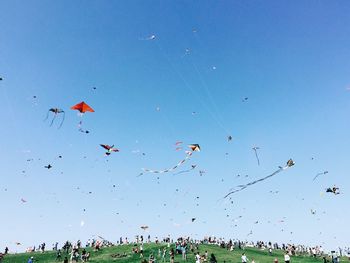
(182, 246)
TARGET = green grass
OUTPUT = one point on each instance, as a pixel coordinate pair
(105, 255)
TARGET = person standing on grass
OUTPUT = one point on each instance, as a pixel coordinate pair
(198, 258)
(184, 255)
(30, 260)
(286, 257)
(141, 250)
(172, 255)
(151, 258)
(164, 254)
(244, 258)
(58, 254)
(212, 258)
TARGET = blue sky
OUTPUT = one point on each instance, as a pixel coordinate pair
(290, 59)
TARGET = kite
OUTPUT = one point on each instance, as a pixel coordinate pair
(244, 99)
(255, 148)
(55, 112)
(241, 187)
(49, 166)
(82, 107)
(313, 211)
(144, 227)
(193, 166)
(317, 175)
(23, 200)
(334, 190)
(1, 78)
(178, 143)
(229, 138)
(151, 37)
(193, 219)
(109, 149)
(193, 147)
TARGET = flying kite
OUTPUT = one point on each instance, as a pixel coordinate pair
(151, 37)
(55, 111)
(241, 187)
(317, 175)
(229, 138)
(193, 219)
(109, 149)
(334, 190)
(193, 147)
(82, 107)
(49, 166)
(144, 228)
(23, 200)
(255, 148)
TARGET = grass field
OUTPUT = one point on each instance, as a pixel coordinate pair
(222, 255)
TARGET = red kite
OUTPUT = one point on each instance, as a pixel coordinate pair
(82, 107)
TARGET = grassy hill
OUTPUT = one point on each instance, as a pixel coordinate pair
(110, 254)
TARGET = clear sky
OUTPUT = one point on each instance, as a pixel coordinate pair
(291, 60)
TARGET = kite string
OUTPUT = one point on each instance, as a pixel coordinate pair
(188, 86)
(220, 120)
(205, 84)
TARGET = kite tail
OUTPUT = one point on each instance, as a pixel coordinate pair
(47, 115)
(189, 154)
(59, 127)
(54, 117)
(257, 157)
(242, 187)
